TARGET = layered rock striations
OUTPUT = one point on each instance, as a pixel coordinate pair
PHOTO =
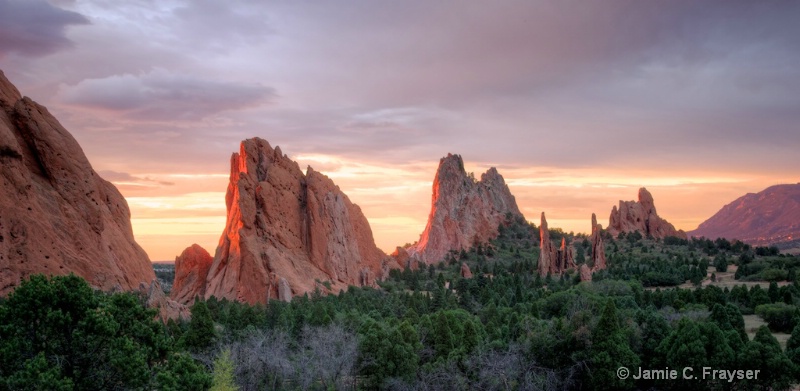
(191, 270)
(286, 231)
(464, 211)
(57, 216)
(552, 260)
(640, 216)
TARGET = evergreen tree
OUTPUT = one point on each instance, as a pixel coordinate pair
(201, 333)
(610, 351)
(58, 333)
(764, 353)
(793, 349)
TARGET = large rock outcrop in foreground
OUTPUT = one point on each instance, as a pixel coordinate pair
(287, 233)
(640, 216)
(191, 269)
(57, 216)
(464, 212)
(769, 217)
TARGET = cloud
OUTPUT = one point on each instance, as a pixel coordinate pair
(162, 95)
(34, 27)
(126, 179)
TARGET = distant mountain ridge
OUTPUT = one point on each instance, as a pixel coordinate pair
(770, 217)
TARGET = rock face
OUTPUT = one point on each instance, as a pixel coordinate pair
(465, 272)
(769, 217)
(191, 269)
(640, 216)
(167, 308)
(286, 230)
(551, 260)
(598, 249)
(57, 216)
(585, 272)
(464, 211)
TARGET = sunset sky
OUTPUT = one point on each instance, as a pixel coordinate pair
(578, 104)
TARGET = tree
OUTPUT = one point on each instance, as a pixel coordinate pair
(328, 355)
(610, 351)
(764, 353)
(201, 333)
(779, 316)
(793, 349)
(721, 263)
(697, 344)
(223, 373)
(57, 333)
(183, 374)
(386, 352)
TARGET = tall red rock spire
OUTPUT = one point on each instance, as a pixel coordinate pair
(464, 211)
(598, 249)
(287, 233)
(552, 260)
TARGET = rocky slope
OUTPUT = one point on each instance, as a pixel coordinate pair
(463, 211)
(770, 217)
(287, 233)
(57, 216)
(640, 216)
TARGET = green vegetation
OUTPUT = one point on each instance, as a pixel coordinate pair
(60, 334)
(505, 329)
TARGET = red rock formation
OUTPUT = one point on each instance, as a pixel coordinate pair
(167, 308)
(285, 230)
(465, 272)
(191, 269)
(464, 212)
(598, 249)
(551, 260)
(585, 272)
(769, 217)
(400, 255)
(57, 216)
(640, 216)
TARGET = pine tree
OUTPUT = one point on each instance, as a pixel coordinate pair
(610, 351)
(201, 333)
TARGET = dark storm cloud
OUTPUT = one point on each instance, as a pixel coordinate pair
(162, 95)
(34, 27)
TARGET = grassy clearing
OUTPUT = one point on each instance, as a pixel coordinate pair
(753, 322)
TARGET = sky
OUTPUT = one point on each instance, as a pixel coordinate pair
(577, 103)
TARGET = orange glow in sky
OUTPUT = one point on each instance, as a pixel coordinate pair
(577, 104)
(396, 199)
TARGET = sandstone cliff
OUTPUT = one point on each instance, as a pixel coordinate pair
(640, 216)
(287, 230)
(464, 211)
(57, 216)
(191, 269)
